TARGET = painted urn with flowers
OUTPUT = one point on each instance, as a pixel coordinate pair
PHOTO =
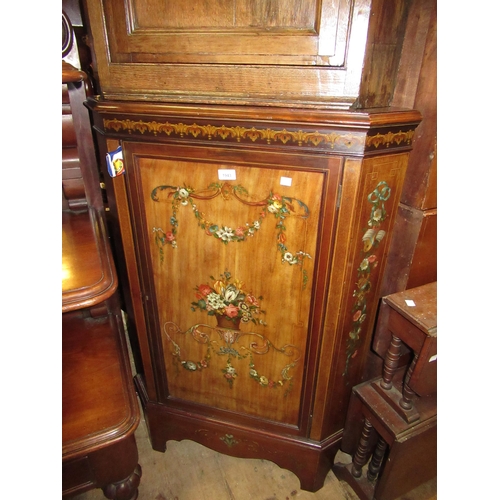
(228, 301)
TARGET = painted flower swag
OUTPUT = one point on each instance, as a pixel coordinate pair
(277, 205)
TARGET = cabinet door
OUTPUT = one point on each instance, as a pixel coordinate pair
(246, 237)
(284, 32)
(249, 50)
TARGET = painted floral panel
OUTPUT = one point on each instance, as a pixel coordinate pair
(245, 248)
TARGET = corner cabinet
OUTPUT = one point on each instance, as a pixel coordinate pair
(254, 239)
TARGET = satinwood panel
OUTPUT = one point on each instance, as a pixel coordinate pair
(240, 238)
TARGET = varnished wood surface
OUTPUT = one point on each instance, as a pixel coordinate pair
(391, 425)
(88, 271)
(424, 262)
(424, 313)
(373, 132)
(412, 259)
(99, 404)
(382, 53)
(248, 51)
(362, 119)
(417, 88)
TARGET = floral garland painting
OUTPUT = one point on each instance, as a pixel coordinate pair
(231, 304)
(276, 205)
(371, 240)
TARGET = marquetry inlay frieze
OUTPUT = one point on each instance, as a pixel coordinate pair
(321, 139)
(390, 139)
(353, 142)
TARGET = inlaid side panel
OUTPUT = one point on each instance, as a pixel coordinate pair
(232, 251)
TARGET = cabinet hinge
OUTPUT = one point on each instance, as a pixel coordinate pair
(339, 195)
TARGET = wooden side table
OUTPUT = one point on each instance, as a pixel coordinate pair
(393, 418)
(412, 320)
(100, 408)
(100, 411)
(401, 455)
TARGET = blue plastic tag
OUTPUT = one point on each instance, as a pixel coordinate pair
(114, 159)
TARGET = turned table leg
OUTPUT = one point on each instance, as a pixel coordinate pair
(376, 461)
(127, 489)
(360, 458)
(391, 362)
(406, 401)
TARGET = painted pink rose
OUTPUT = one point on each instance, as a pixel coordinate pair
(204, 290)
(239, 231)
(170, 236)
(356, 316)
(372, 258)
(231, 311)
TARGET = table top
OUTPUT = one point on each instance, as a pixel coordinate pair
(88, 271)
(389, 418)
(418, 305)
(99, 403)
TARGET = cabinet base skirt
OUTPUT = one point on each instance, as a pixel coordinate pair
(309, 460)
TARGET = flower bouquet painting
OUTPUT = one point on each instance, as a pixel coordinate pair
(228, 300)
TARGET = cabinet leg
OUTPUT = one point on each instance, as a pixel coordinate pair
(391, 362)
(127, 489)
(376, 461)
(360, 458)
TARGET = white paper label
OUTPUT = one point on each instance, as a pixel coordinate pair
(286, 181)
(227, 174)
(410, 303)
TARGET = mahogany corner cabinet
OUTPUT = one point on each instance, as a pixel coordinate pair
(254, 239)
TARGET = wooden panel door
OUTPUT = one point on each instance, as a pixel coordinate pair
(284, 32)
(231, 248)
(279, 52)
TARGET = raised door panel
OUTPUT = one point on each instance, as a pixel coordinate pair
(240, 236)
(245, 51)
(284, 32)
